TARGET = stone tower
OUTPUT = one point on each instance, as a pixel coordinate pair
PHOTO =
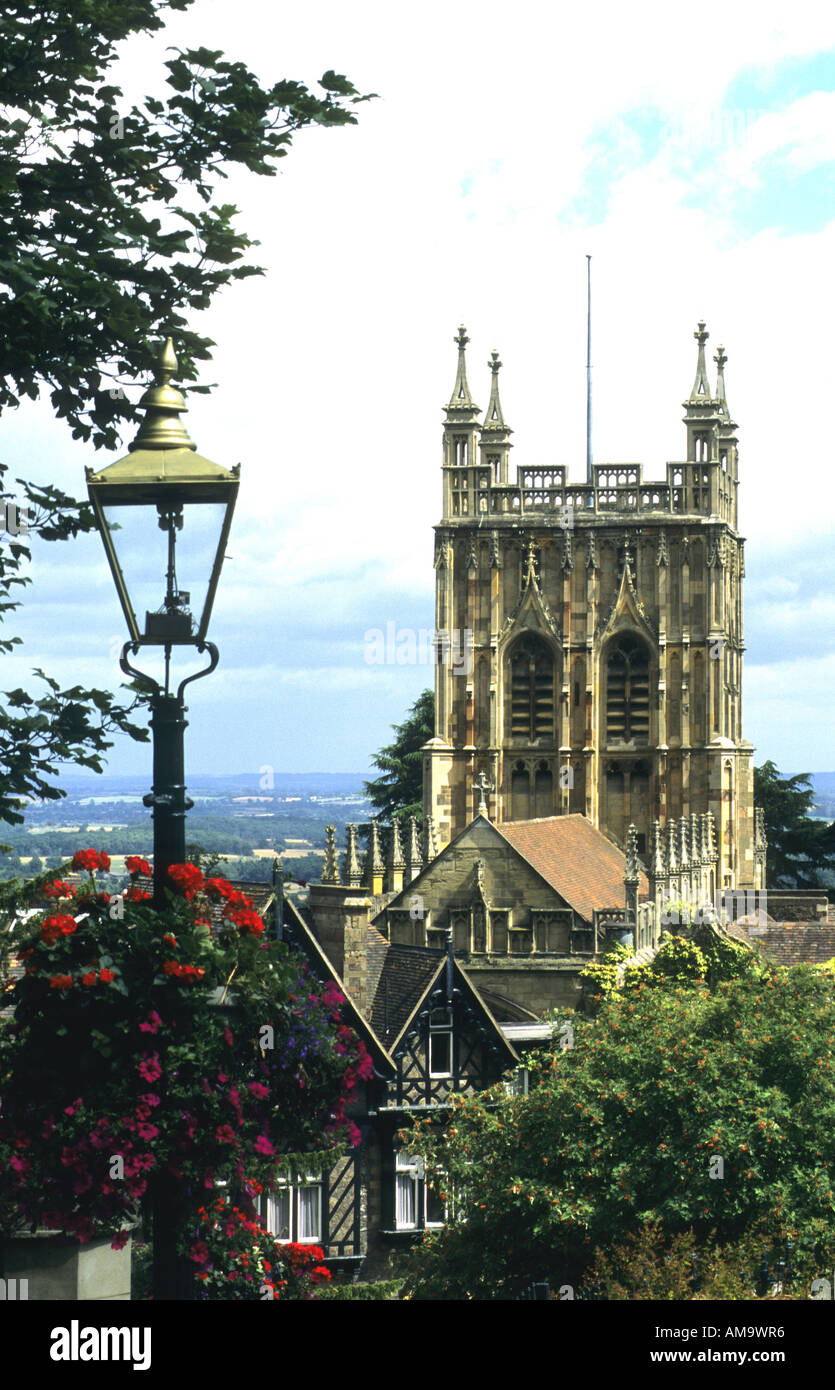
(604, 667)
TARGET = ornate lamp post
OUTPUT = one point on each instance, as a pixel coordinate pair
(164, 515)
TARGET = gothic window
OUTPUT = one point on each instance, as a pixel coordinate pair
(498, 931)
(544, 791)
(627, 690)
(531, 690)
(520, 792)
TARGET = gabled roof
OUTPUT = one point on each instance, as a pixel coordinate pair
(577, 860)
(464, 983)
(406, 974)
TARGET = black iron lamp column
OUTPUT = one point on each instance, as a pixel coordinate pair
(164, 514)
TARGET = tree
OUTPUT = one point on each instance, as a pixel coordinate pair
(99, 249)
(109, 237)
(798, 847)
(399, 792)
(706, 1111)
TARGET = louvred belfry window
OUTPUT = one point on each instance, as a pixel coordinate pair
(531, 690)
(627, 691)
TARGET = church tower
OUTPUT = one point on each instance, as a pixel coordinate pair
(602, 628)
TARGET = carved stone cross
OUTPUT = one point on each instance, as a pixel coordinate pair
(482, 785)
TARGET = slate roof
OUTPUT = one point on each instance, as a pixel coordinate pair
(578, 861)
(789, 943)
(406, 974)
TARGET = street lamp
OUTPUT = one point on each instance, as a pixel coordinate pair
(164, 514)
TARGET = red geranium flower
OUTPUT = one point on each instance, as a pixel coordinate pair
(106, 976)
(91, 859)
(136, 865)
(60, 982)
(247, 919)
(58, 924)
(58, 889)
(188, 878)
(136, 895)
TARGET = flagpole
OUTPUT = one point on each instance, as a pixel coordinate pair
(589, 478)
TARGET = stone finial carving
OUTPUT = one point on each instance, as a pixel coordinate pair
(461, 391)
(760, 839)
(495, 555)
(720, 358)
(661, 556)
(672, 855)
(701, 386)
(683, 846)
(659, 867)
(352, 873)
(430, 843)
(414, 858)
(632, 869)
(396, 857)
(330, 869)
(695, 839)
(482, 785)
(592, 562)
(494, 419)
(373, 858)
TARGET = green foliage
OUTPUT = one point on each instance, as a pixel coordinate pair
(627, 1125)
(399, 792)
(109, 236)
(706, 956)
(648, 1264)
(799, 848)
(385, 1290)
(58, 726)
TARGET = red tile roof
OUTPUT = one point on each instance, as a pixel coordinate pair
(584, 867)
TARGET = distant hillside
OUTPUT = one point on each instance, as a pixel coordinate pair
(239, 783)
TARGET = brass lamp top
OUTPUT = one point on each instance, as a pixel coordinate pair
(162, 451)
(162, 427)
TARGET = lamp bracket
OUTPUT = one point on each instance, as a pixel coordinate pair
(133, 648)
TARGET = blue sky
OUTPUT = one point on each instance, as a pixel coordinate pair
(695, 164)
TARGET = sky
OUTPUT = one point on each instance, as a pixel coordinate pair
(695, 163)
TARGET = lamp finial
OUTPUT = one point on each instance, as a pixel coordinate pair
(162, 427)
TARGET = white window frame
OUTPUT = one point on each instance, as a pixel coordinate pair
(291, 1193)
(409, 1169)
(444, 1029)
(406, 1177)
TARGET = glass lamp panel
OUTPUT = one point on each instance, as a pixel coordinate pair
(142, 552)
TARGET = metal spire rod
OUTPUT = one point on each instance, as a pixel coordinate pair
(589, 478)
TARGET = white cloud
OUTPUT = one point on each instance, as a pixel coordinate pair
(456, 197)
